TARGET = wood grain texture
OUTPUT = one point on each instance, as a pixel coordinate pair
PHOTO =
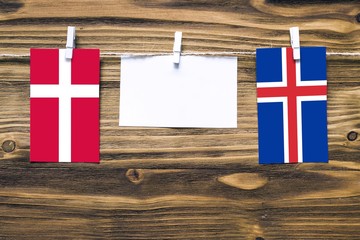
(165, 183)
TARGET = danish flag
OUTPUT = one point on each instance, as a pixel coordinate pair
(64, 105)
(291, 96)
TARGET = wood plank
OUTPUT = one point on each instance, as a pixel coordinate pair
(182, 203)
(149, 25)
(180, 183)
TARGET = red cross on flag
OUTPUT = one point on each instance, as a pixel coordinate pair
(64, 105)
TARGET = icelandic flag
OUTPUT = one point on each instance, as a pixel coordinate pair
(291, 97)
(64, 105)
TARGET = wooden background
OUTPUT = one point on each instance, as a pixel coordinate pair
(180, 183)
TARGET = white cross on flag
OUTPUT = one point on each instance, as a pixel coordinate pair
(64, 105)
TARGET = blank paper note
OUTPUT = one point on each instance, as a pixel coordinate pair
(200, 92)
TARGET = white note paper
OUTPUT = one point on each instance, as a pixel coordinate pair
(200, 92)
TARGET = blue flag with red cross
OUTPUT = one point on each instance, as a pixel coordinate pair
(292, 99)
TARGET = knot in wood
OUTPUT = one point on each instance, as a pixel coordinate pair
(259, 238)
(135, 176)
(358, 18)
(8, 146)
(352, 136)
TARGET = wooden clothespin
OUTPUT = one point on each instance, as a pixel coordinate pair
(177, 47)
(70, 42)
(295, 42)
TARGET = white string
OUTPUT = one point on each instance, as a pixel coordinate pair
(342, 54)
(14, 55)
(128, 54)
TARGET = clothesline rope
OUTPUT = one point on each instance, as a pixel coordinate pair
(119, 54)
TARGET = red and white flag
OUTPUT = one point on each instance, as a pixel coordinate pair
(64, 105)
